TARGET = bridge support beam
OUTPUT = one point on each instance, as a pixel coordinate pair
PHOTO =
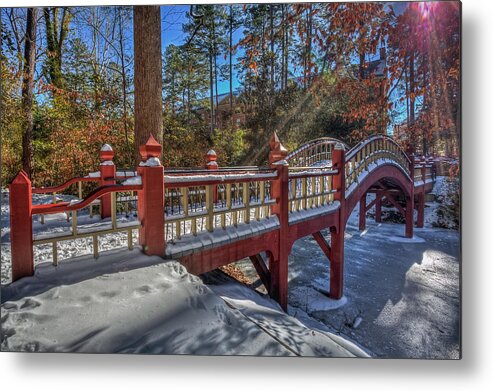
(378, 208)
(336, 264)
(362, 212)
(409, 217)
(262, 270)
(421, 209)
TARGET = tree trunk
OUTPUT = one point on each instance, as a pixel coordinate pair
(282, 46)
(28, 90)
(147, 76)
(124, 77)
(55, 38)
(211, 95)
(231, 62)
(272, 60)
(411, 90)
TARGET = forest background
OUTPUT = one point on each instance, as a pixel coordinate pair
(232, 74)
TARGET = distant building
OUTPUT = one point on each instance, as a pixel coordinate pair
(222, 112)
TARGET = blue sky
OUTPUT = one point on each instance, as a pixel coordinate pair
(172, 19)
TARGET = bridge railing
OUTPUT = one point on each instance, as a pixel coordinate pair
(107, 174)
(310, 187)
(198, 201)
(21, 219)
(173, 203)
(315, 152)
(364, 156)
(424, 170)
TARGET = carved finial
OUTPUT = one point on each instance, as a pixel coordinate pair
(21, 178)
(210, 159)
(277, 150)
(151, 149)
(106, 154)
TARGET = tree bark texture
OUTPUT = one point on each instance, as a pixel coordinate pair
(147, 76)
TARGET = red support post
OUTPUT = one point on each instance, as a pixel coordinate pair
(421, 209)
(362, 212)
(410, 199)
(151, 199)
(337, 233)
(410, 215)
(378, 208)
(21, 229)
(108, 173)
(211, 164)
(279, 191)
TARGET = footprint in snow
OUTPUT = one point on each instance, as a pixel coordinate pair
(30, 304)
(144, 290)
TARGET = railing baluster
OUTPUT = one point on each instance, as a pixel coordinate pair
(246, 202)
(303, 192)
(55, 253)
(74, 223)
(130, 240)
(113, 210)
(209, 201)
(262, 195)
(95, 246)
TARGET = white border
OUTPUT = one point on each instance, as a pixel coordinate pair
(112, 372)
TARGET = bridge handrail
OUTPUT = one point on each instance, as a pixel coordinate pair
(350, 154)
(313, 144)
(63, 186)
(369, 151)
(71, 206)
(202, 200)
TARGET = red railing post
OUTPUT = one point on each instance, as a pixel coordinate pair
(108, 173)
(279, 191)
(337, 233)
(21, 229)
(151, 199)
(211, 164)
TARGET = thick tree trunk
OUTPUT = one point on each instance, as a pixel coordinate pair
(28, 90)
(147, 76)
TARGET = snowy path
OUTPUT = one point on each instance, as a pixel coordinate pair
(401, 296)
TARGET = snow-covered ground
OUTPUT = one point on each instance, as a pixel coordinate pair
(130, 303)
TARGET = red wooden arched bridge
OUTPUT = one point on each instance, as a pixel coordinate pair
(210, 217)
